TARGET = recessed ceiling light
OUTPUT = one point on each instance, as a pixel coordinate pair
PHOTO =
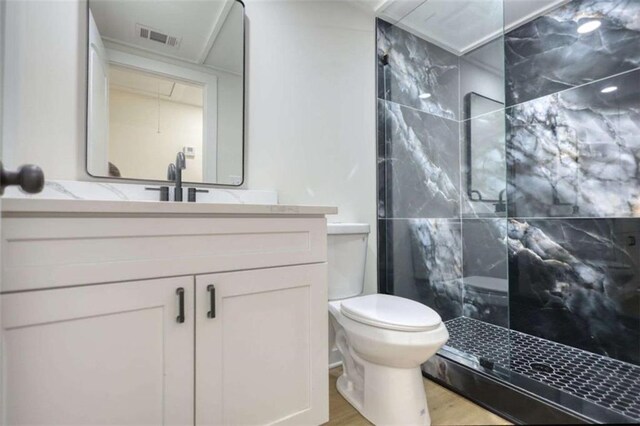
(587, 27)
(425, 95)
(609, 89)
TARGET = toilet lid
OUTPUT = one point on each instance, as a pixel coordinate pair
(390, 312)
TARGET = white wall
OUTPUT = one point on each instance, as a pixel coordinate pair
(311, 100)
(229, 154)
(2, 36)
(97, 104)
(482, 81)
(45, 86)
(311, 119)
(145, 133)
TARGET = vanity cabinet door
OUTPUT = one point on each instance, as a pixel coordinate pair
(261, 347)
(110, 354)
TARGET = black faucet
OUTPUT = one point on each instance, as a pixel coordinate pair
(174, 173)
(164, 192)
(192, 192)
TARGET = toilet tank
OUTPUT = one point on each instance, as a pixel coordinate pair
(347, 253)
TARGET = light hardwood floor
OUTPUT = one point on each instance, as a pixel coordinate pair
(445, 407)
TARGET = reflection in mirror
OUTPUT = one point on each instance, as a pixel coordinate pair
(166, 77)
(485, 139)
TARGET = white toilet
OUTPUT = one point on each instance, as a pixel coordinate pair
(383, 339)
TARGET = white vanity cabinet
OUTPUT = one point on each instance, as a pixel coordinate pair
(103, 354)
(256, 346)
(91, 305)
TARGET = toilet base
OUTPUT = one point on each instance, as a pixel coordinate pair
(387, 395)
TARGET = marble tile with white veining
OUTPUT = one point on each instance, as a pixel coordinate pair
(486, 285)
(548, 54)
(576, 153)
(384, 202)
(108, 191)
(421, 164)
(437, 263)
(576, 281)
(416, 73)
(426, 264)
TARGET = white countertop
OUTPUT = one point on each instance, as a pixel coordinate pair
(20, 206)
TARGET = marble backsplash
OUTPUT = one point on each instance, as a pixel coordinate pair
(84, 190)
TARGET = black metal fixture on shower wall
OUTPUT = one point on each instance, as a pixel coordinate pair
(383, 70)
(501, 206)
(384, 59)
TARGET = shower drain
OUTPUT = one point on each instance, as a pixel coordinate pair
(543, 368)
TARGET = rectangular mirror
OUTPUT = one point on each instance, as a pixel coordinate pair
(485, 139)
(166, 77)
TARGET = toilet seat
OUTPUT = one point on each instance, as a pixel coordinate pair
(391, 313)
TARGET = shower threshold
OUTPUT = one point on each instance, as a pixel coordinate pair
(594, 387)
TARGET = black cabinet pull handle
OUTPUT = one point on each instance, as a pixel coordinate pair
(180, 293)
(212, 297)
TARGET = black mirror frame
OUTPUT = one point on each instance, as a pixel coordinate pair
(134, 180)
(467, 129)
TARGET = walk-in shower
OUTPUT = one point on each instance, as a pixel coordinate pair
(509, 196)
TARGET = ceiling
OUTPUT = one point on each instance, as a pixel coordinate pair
(226, 52)
(203, 30)
(154, 86)
(460, 26)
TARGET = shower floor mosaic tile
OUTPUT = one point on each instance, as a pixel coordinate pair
(606, 382)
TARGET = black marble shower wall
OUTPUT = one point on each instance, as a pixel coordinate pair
(573, 160)
(569, 244)
(419, 171)
(423, 206)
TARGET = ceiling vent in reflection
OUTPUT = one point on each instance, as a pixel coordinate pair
(155, 36)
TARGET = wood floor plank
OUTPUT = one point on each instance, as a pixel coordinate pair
(446, 407)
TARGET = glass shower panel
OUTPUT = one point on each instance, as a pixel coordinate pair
(480, 337)
(509, 193)
(441, 169)
(572, 75)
